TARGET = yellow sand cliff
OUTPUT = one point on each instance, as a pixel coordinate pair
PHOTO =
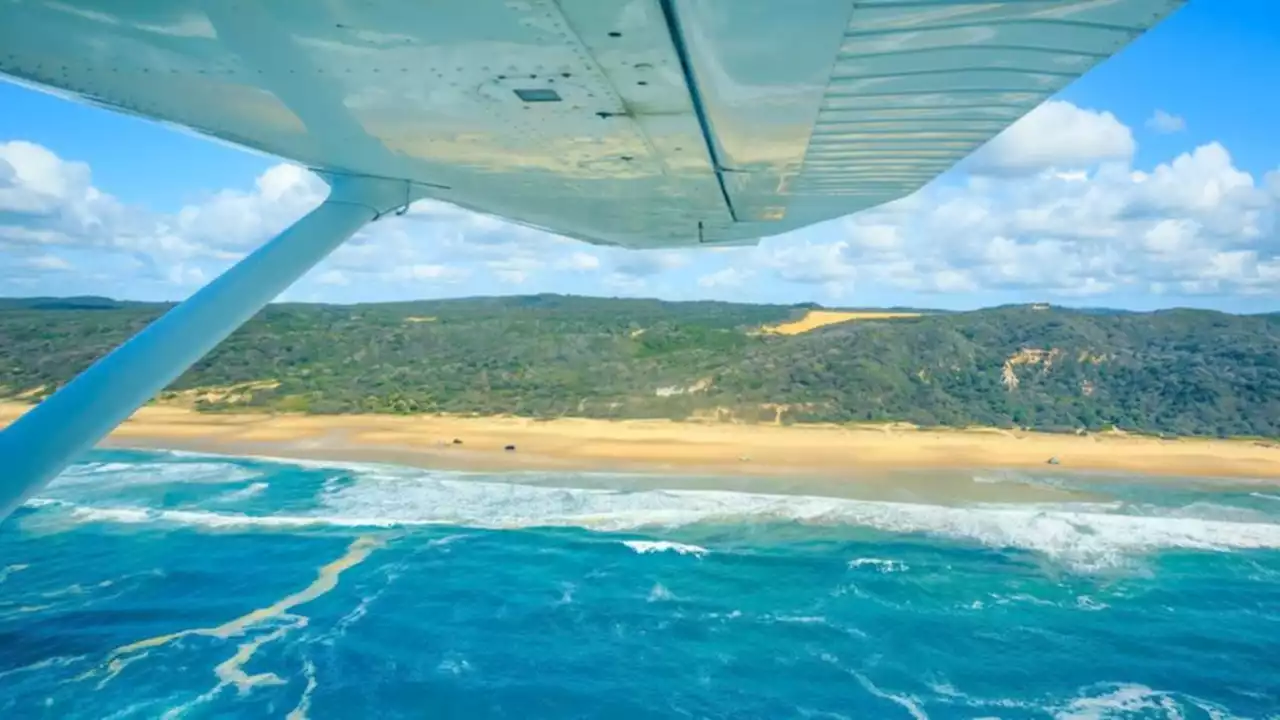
(815, 319)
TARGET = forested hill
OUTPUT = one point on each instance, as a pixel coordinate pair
(1180, 371)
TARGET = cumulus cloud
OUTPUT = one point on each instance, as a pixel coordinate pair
(726, 278)
(1196, 224)
(1166, 123)
(1053, 206)
(234, 221)
(47, 201)
(810, 261)
(1055, 134)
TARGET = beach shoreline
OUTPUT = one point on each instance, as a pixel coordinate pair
(661, 446)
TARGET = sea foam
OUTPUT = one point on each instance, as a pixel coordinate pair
(120, 474)
(645, 547)
(1086, 537)
(877, 565)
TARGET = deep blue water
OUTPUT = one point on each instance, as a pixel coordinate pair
(147, 584)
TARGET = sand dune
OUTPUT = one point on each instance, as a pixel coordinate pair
(815, 319)
(666, 445)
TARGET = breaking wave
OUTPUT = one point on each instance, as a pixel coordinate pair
(116, 474)
(645, 547)
(1084, 536)
(877, 565)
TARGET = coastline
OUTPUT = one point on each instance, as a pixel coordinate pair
(677, 447)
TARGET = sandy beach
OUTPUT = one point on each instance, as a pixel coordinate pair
(685, 447)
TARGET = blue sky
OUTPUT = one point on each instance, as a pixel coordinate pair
(1152, 182)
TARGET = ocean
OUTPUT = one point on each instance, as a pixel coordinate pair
(160, 584)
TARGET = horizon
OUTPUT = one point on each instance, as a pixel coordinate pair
(1153, 182)
(811, 305)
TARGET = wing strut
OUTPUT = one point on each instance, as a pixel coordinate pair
(36, 447)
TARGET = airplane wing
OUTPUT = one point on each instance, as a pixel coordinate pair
(639, 123)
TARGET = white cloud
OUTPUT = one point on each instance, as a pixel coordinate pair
(726, 278)
(1057, 134)
(37, 181)
(45, 200)
(234, 221)
(581, 261)
(1207, 183)
(623, 284)
(810, 262)
(1054, 206)
(515, 270)
(1166, 123)
(48, 262)
(424, 271)
(333, 277)
(1194, 225)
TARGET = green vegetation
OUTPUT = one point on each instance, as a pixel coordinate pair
(1180, 371)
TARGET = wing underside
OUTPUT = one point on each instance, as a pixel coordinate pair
(642, 123)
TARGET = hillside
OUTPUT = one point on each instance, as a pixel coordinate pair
(1180, 371)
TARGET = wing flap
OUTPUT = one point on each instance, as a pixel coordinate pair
(917, 86)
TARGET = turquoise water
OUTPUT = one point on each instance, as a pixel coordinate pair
(146, 584)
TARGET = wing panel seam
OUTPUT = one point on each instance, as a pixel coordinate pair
(695, 96)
